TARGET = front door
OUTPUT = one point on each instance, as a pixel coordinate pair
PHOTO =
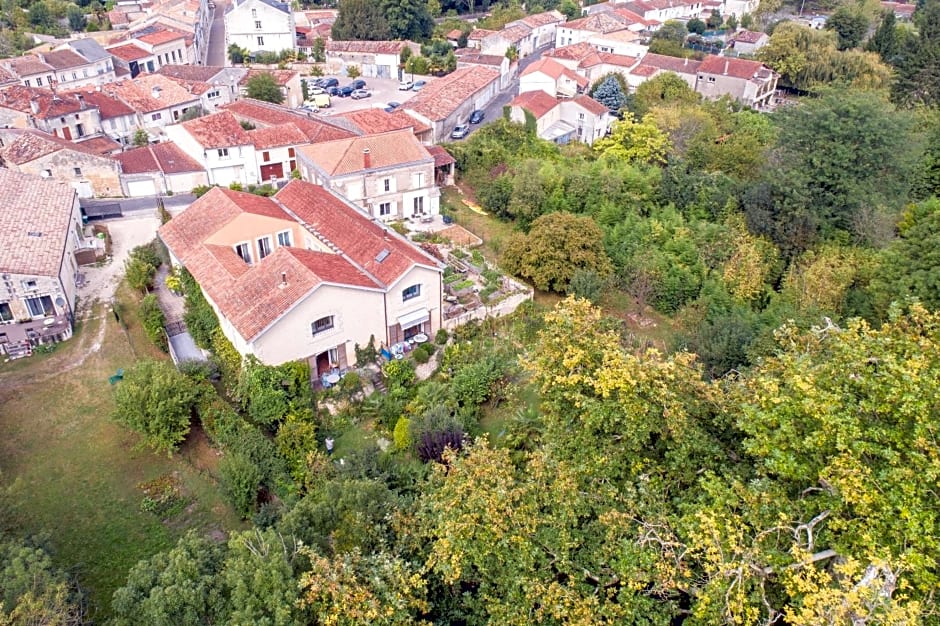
(323, 363)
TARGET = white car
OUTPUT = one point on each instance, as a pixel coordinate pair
(405, 85)
(317, 91)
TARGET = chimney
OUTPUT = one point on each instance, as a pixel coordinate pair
(81, 101)
(366, 159)
(34, 105)
(155, 92)
(283, 280)
(726, 67)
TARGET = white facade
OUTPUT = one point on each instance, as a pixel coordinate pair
(260, 26)
(224, 165)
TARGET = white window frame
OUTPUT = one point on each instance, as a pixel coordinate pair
(260, 41)
(284, 235)
(264, 247)
(8, 317)
(156, 116)
(257, 24)
(385, 208)
(222, 153)
(246, 246)
(387, 184)
(418, 205)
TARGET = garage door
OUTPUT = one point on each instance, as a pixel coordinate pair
(225, 176)
(274, 170)
(140, 188)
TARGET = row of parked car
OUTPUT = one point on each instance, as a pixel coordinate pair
(462, 130)
(330, 86)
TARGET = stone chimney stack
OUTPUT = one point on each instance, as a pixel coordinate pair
(726, 67)
(366, 159)
(283, 280)
(155, 93)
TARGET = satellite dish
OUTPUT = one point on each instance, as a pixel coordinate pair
(59, 302)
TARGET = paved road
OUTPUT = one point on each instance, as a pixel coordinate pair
(136, 207)
(216, 52)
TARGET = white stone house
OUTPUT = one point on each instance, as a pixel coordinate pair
(220, 145)
(260, 26)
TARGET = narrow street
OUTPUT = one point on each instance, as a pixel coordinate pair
(216, 52)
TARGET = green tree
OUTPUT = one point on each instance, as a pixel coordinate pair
(714, 20)
(40, 15)
(33, 590)
(264, 87)
(76, 17)
(236, 54)
(362, 20)
(353, 71)
(672, 31)
(849, 25)
(157, 401)
(141, 138)
(318, 49)
(180, 586)
(241, 479)
(609, 93)
(557, 246)
(570, 9)
(636, 142)
(918, 81)
(696, 26)
(408, 19)
(910, 266)
(667, 88)
(885, 41)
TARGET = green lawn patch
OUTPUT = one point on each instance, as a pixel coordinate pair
(80, 479)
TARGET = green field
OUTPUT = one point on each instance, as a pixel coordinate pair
(74, 475)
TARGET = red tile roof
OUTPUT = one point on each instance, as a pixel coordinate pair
(455, 34)
(738, 68)
(515, 34)
(263, 114)
(219, 130)
(164, 157)
(193, 73)
(538, 103)
(34, 223)
(605, 22)
(574, 52)
(108, 106)
(139, 93)
(670, 64)
(277, 136)
(439, 99)
(370, 121)
(473, 56)
(590, 104)
(552, 68)
(480, 33)
(441, 156)
(749, 36)
(64, 59)
(251, 298)
(352, 232)
(27, 65)
(18, 98)
(31, 144)
(367, 47)
(159, 37)
(129, 52)
(103, 145)
(543, 19)
(345, 156)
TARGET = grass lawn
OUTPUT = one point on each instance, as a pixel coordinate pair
(75, 474)
(490, 229)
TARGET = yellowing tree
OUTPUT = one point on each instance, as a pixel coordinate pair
(636, 142)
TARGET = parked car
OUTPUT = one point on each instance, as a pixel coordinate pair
(326, 83)
(346, 90)
(359, 94)
(460, 131)
(333, 91)
(476, 117)
(391, 106)
(405, 85)
(418, 85)
(317, 90)
(358, 84)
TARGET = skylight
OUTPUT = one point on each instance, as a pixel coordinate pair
(381, 256)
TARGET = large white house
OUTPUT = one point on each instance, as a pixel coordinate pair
(304, 275)
(260, 26)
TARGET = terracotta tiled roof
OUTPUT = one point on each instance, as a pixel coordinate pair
(599, 23)
(251, 298)
(538, 103)
(370, 121)
(367, 47)
(18, 98)
(196, 73)
(219, 130)
(102, 145)
(441, 156)
(900, 8)
(34, 223)
(64, 59)
(345, 156)
(138, 93)
(644, 70)
(159, 37)
(455, 34)
(352, 232)
(474, 57)
(439, 99)
(164, 157)
(739, 68)
(480, 33)
(543, 19)
(749, 36)
(109, 107)
(31, 144)
(28, 65)
(574, 52)
(609, 58)
(515, 34)
(129, 52)
(670, 64)
(555, 70)
(281, 77)
(630, 17)
(590, 104)
(117, 18)
(277, 136)
(263, 114)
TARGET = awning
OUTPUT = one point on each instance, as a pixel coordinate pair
(414, 318)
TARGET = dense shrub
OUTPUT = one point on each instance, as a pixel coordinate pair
(240, 480)
(200, 319)
(153, 321)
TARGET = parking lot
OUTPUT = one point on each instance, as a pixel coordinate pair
(384, 90)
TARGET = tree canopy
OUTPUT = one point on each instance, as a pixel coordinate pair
(264, 87)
